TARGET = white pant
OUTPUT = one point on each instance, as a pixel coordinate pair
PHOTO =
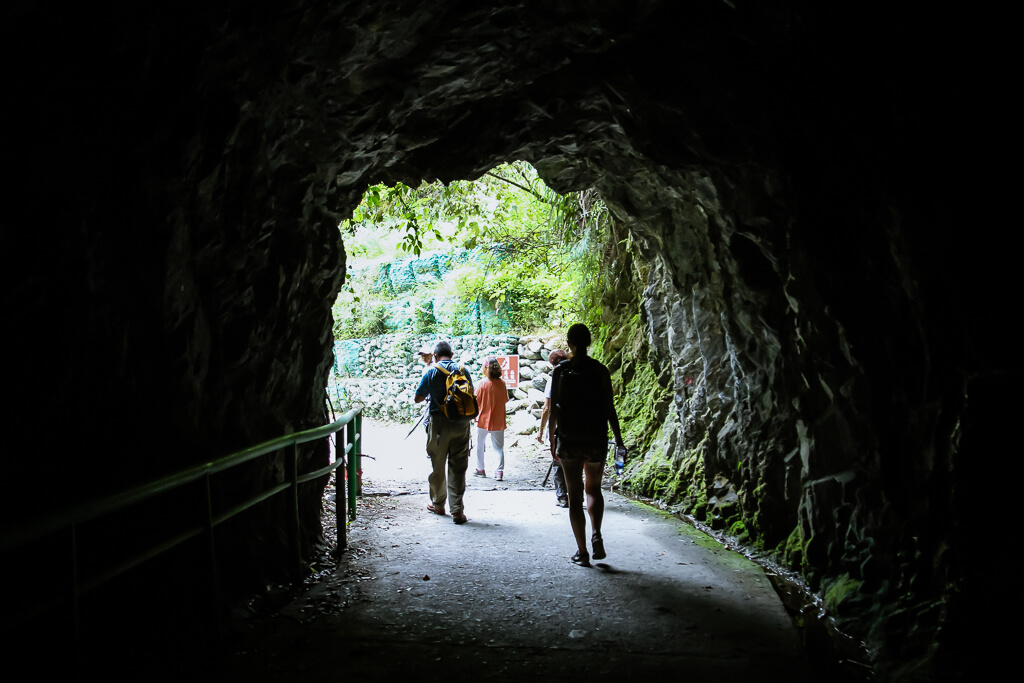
(497, 441)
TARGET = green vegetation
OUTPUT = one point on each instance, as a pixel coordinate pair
(516, 256)
(642, 401)
(793, 549)
(839, 590)
(739, 530)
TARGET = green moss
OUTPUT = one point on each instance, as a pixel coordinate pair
(662, 475)
(839, 590)
(640, 406)
(695, 535)
(739, 530)
(754, 529)
(699, 501)
(660, 470)
(793, 548)
(656, 475)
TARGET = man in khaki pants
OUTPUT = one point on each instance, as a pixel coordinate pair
(447, 441)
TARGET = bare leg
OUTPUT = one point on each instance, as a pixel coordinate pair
(573, 470)
(595, 496)
(544, 419)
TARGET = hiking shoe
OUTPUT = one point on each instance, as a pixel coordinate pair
(479, 473)
(563, 502)
(498, 475)
(598, 544)
(459, 518)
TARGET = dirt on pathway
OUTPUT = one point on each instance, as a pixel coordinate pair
(498, 598)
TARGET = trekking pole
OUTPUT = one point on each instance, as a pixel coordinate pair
(550, 467)
(422, 415)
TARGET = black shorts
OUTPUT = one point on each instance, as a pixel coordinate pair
(585, 452)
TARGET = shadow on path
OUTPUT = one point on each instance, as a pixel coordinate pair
(498, 598)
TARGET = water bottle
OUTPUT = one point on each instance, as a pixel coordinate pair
(620, 459)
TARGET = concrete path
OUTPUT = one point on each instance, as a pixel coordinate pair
(498, 599)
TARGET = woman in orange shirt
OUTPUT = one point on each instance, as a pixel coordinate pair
(491, 396)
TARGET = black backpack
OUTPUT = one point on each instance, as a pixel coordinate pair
(582, 407)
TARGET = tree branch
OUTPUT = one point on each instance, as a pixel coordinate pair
(521, 187)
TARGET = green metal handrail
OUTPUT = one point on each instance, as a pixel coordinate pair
(350, 454)
(92, 509)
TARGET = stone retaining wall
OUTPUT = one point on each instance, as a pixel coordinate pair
(382, 373)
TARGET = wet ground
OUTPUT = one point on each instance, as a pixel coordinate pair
(498, 598)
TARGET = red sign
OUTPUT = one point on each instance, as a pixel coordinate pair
(509, 370)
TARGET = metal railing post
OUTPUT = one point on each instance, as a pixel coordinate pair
(358, 450)
(340, 523)
(211, 547)
(291, 455)
(352, 448)
(75, 616)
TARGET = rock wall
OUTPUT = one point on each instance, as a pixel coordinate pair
(382, 373)
(793, 377)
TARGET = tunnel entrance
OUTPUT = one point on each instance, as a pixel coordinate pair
(499, 266)
(515, 257)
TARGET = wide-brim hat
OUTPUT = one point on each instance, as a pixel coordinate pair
(425, 350)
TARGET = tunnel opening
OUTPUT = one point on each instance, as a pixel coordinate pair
(512, 246)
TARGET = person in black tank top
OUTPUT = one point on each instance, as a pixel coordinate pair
(582, 407)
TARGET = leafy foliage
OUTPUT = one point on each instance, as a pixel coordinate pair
(540, 253)
(425, 322)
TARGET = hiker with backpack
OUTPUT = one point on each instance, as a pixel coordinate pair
(561, 497)
(491, 396)
(582, 407)
(452, 408)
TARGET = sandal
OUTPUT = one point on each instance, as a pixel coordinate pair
(581, 558)
(598, 544)
(439, 510)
